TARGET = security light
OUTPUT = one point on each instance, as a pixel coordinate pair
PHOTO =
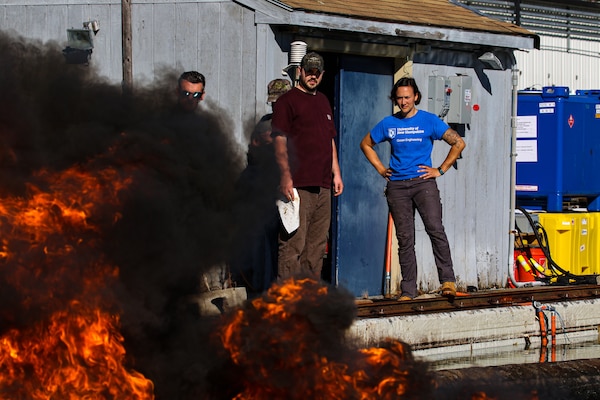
(490, 59)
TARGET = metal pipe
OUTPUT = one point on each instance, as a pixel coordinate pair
(388, 258)
(513, 182)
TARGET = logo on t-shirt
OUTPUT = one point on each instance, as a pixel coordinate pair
(391, 133)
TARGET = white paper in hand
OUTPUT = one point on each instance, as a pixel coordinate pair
(289, 212)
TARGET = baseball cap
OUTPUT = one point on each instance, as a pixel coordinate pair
(276, 88)
(312, 61)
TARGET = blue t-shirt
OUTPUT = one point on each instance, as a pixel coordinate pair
(411, 140)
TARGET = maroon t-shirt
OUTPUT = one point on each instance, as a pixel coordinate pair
(307, 122)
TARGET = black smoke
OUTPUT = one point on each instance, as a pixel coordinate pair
(175, 221)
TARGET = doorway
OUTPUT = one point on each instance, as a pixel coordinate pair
(358, 89)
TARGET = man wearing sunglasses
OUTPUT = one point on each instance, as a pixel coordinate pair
(303, 136)
(190, 90)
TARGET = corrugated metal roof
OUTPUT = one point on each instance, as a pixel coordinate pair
(573, 20)
(435, 13)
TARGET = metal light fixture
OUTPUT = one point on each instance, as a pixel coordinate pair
(80, 43)
(491, 60)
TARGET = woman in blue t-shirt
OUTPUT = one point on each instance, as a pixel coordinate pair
(411, 184)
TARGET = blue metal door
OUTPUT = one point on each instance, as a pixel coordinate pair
(359, 228)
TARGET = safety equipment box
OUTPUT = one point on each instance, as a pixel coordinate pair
(558, 148)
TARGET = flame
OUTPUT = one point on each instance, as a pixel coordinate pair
(49, 238)
(290, 344)
(276, 344)
(49, 256)
(77, 354)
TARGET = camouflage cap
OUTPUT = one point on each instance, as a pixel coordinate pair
(276, 88)
(312, 61)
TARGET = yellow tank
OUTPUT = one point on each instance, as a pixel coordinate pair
(595, 242)
(573, 240)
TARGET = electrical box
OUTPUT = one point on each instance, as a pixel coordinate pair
(438, 99)
(461, 99)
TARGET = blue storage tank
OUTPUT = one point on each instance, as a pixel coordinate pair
(558, 148)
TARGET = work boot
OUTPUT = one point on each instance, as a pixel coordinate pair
(448, 289)
(404, 298)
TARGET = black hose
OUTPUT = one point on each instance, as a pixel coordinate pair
(565, 276)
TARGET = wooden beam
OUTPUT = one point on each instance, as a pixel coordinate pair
(127, 47)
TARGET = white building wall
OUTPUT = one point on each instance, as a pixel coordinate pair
(560, 62)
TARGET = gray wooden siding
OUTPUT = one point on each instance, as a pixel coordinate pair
(217, 38)
(475, 196)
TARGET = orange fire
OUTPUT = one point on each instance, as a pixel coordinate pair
(78, 353)
(279, 344)
(48, 239)
(291, 344)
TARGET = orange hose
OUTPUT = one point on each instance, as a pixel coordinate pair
(553, 328)
(543, 329)
(543, 354)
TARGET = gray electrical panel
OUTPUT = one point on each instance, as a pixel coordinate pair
(438, 99)
(461, 99)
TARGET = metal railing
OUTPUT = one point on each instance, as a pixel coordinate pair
(571, 20)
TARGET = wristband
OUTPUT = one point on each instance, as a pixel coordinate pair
(441, 171)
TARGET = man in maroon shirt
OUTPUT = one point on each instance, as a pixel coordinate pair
(303, 132)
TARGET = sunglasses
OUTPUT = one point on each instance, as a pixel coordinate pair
(316, 72)
(195, 95)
